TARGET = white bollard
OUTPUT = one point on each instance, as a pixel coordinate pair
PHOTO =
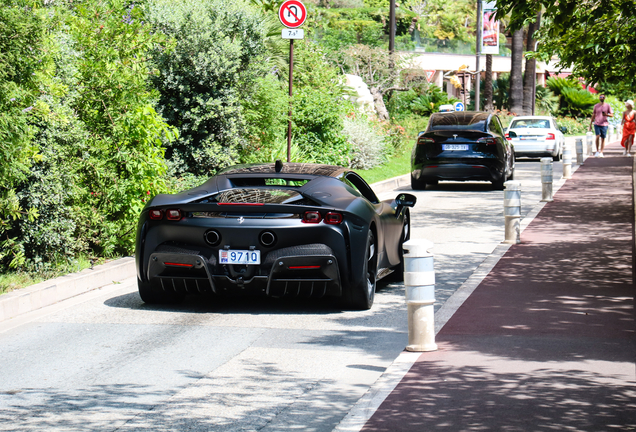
(610, 132)
(567, 162)
(590, 143)
(579, 151)
(512, 211)
(546, 179)
(419, 282)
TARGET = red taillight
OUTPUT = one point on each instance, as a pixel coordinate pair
(508, 137)
(487, 141)
(332, 218)
(550, 136)
(312, 217)
(173, 214)
(171, 264)
(156, 214)
(423, 140)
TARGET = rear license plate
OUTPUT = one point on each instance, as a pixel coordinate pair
(244, 257)
(454, 147)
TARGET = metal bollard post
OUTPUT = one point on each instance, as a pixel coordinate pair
(567, 162)
(512, 211)
(590, 143)
(419, 281)
(546, 179)
(579, 151)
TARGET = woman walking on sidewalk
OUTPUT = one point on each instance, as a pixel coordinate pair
(629, 127)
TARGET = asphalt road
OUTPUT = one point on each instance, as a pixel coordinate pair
(106, 361)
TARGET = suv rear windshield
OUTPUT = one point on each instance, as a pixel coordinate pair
(458, 121)
(258, 196)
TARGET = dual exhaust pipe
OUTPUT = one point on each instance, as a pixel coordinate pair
(213, 238)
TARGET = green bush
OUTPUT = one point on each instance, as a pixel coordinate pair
(204, 77)
(367, 143)
(575, 126)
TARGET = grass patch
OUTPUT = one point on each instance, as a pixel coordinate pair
(20, 279)
(396, 166)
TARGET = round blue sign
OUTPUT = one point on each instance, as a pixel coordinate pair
(459, 106)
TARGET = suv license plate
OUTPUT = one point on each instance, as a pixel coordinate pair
(244, 257)
(455, 147)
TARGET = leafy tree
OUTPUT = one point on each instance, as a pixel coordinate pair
(218, 52)
(547, 102)
(378, 70)
(21, 45)
(595, 37)
(429, 102)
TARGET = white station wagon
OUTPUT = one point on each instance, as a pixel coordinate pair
(536, 136)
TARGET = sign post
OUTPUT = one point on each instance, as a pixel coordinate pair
(292, 14)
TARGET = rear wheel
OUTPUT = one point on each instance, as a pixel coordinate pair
(153, 293)
(499, 184)
(362, 292)
(417, 184)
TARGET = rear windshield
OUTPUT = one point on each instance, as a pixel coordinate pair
(266, 181)
(530, 123)
(258, 196)
(462, 121)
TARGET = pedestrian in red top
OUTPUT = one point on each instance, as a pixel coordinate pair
(629, 127)
(602, 111)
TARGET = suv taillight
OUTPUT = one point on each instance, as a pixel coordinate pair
(423, 140)
(487, 141)
(550, 136)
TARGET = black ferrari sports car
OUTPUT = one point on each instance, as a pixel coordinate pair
(275, 229)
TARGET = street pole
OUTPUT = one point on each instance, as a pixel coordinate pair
(391, 27)
(478, 58)
(291, 81)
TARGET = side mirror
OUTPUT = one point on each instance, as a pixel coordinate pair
(563, 129)
(404, 200)
(512, 134)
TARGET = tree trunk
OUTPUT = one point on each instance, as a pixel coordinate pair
(515, 94)
(488, 84)
(529, 80)
(378, 101)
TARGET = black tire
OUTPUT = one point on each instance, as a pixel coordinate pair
(361, 293)
(153, 293)
(417, 184)
(558, 157)
(499, 184)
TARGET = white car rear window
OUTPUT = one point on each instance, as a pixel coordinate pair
(530, 123)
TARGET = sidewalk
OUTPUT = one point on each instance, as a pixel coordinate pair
(546, 341)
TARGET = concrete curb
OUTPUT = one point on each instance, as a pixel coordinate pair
(392, 183)
(52, 291)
